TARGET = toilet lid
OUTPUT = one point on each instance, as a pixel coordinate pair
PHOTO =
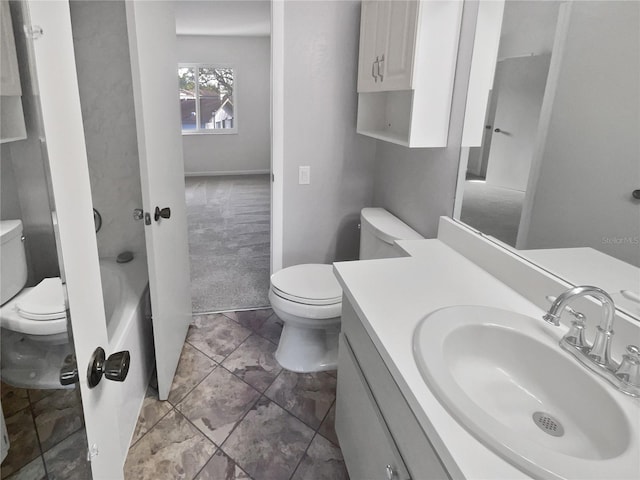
(311, 284)
(44, 302)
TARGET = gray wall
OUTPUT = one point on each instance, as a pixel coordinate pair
(590, 161)
(9, 199)
(249, 149)
(321, 58)
(106, 96)
(418, 185)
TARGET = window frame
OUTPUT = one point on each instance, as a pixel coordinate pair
(211, 131)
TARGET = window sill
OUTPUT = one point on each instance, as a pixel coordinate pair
(219, 131)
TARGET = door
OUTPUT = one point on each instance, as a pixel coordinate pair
(519, 85)
(151, 26)
(372, 20)
(397, 63)
(64, 133)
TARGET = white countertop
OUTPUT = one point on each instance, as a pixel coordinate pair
(392, 296)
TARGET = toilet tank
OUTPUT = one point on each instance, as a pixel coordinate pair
(13, 263)
(378, 232)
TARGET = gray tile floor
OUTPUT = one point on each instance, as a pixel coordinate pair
(46, 434)
(233, 413)
(229, 241)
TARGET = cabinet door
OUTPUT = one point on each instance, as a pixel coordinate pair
(9, 75)
(367, 445)
(371, 21)
(396, 66)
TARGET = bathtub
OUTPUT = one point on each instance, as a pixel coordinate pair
(125, 293)
(128, 316)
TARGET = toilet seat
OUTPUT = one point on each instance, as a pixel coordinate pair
(36, 311)
(45, 301)
(308, 284)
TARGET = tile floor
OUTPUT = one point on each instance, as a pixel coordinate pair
(233, 413)
(46, 434)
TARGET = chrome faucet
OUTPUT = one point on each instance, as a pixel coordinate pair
(597, 357)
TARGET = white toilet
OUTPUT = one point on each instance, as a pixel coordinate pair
(308, 297)
(33, 320)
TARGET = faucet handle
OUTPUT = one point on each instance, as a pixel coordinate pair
(629, 371)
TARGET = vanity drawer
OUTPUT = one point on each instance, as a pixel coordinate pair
(415, 448)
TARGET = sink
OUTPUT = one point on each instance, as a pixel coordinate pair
(504, 378)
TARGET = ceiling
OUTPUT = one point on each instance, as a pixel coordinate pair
(223, 17)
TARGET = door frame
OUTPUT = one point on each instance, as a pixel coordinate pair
(277, 134)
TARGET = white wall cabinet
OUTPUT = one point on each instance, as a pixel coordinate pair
(379, 434)
(12, 125)
(387, 43)
(406, 69)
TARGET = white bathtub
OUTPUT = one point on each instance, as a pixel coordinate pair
(125, 292)
(128, 315)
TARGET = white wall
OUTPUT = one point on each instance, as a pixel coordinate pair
(418, 185)
(589, 163)
(248, 150)
(320, 67)
(106, 97)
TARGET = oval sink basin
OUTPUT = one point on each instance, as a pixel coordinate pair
(503, 377)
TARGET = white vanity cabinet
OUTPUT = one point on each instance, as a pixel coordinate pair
(406, 69)
(379, 435)
(12, 125)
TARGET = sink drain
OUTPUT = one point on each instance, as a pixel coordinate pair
(548, 424)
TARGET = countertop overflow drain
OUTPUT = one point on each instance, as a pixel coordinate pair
(548, 424)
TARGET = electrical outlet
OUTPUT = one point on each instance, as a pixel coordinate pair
(304, 175)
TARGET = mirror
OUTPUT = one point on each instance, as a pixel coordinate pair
(550, 163)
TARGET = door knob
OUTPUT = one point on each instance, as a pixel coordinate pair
(636, 194)
(497, 130)
(115, 368)
(164, 213)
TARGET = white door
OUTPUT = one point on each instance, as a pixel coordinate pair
(519, 85)
(154, 62)
(371, 20)
(397, 64)
(64, 134)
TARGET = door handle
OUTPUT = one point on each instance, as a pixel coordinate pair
(69, 371)
(164, 213)
(379, 63)
(114, 368)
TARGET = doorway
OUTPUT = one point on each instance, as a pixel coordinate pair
(224, 64)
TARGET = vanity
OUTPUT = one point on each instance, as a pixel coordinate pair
(393, 424)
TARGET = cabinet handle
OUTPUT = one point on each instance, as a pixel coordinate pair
(390, 473)
(373, 70)
(381, 61)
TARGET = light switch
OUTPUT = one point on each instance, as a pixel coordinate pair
(304, 175)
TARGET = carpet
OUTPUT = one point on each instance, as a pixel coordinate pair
(229, 241)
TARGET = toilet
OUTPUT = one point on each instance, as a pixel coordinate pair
(33, 320)
(308, 298)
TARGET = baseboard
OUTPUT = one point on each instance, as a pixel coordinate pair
(229, 172)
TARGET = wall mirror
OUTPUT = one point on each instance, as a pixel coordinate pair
(550, 164)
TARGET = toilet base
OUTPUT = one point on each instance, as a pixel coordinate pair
(31, 364)
(305, 350)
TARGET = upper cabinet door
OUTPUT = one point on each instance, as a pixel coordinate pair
(396, 66)
(387, 45)
(9, 75)
(368, 77)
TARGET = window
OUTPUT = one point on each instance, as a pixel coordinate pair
(207, 99)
